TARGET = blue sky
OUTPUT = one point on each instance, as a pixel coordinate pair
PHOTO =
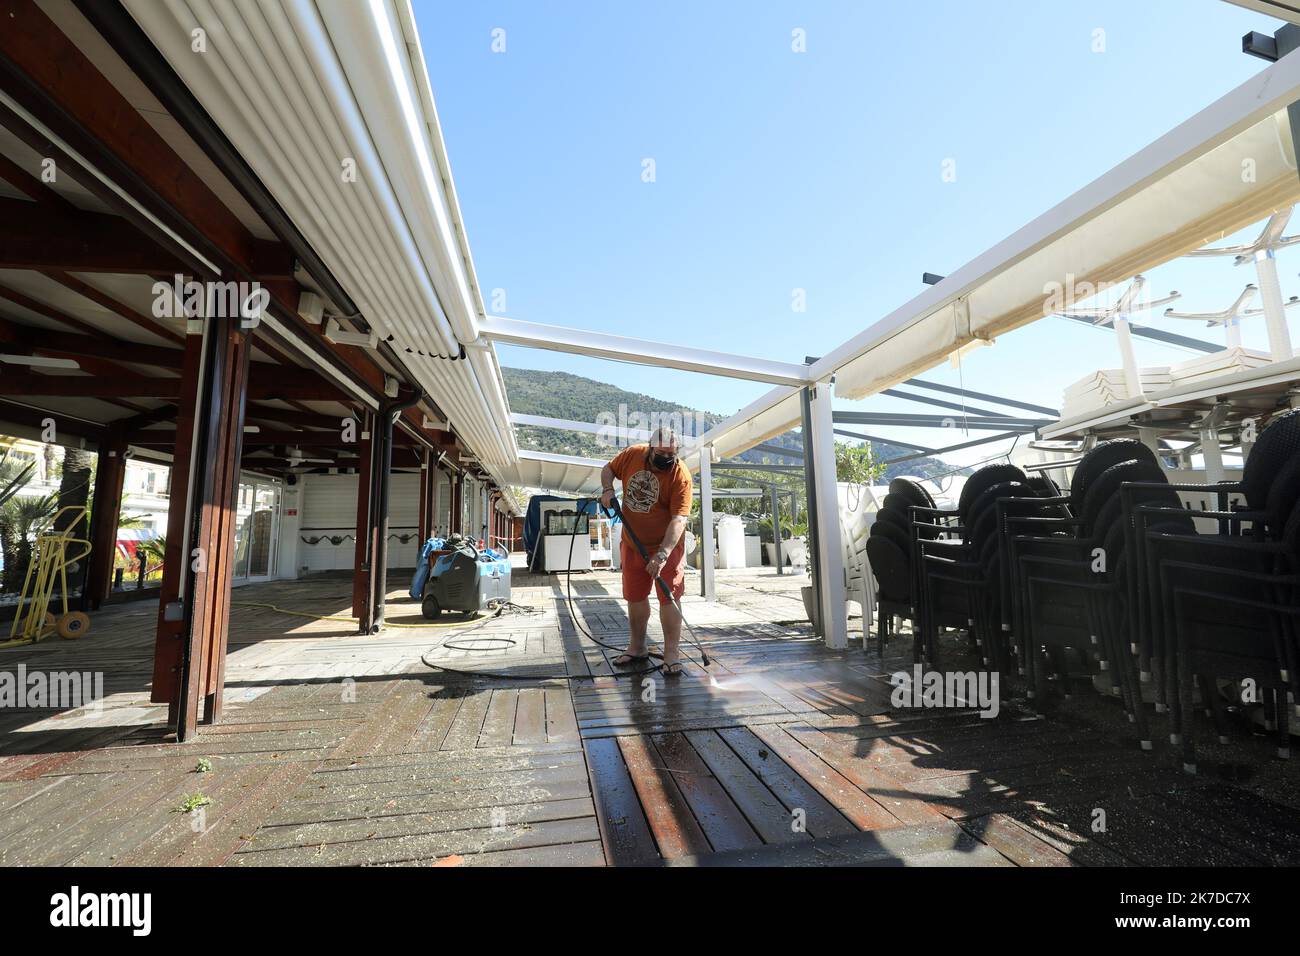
(821, 170)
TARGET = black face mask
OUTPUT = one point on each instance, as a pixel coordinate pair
(663, 462)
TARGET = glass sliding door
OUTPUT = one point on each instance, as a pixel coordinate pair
(257, 527)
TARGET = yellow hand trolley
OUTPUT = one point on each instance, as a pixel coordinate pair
(54, 551)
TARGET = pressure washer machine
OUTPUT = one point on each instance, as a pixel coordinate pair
(466, 579)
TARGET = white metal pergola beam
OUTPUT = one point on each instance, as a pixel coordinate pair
(621, 348)
(547, 457)
(564, 424)
(1288, 10)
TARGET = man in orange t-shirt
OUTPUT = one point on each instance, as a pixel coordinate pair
(656, 504)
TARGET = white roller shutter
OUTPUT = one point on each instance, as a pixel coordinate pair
(327, 532)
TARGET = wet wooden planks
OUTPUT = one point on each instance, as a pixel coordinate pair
(671, 795)
(733, 794)
(338, 749)
(415, 808)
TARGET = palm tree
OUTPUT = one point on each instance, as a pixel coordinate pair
(19, 519)
(13, 475)
(74, 488)
(150, 554)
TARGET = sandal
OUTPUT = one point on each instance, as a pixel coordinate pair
(675, 669)
(627, 660)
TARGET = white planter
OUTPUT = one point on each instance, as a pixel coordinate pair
(810, 606)
(794, 551)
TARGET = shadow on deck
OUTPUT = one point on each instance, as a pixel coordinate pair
(340, 749)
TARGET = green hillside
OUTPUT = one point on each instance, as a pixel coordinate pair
(578, 399)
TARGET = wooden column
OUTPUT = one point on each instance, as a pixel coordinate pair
(426, 514)
(194, 605)
(435, 478)
(169, 652)
(220, 516)
(362, 582)
(110, 478)
(457, 504)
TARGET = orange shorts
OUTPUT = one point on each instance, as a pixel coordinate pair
(637, 583)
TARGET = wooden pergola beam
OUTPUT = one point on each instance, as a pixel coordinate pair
(266, 387)
(40, 236)
(29, 183)
(47, 57)
(137, 422)
(88, 291)
(285, 416)
(105, 368)
(63, 424)
(40, 308)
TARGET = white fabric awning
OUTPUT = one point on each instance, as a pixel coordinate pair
(328, 102)
(567, 474)
(1230, 165)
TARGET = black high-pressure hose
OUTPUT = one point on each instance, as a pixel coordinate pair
(568, 597)
(663, 586)
(577, 624)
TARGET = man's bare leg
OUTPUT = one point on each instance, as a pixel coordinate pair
(671, 622)
(638, 619)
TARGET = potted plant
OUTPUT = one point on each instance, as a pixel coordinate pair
(796, 550)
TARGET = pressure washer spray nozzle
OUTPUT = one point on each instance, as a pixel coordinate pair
(618, 513)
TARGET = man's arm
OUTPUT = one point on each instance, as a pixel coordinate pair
(671, 536)
(606, 486)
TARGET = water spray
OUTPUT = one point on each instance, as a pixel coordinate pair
(663, 585)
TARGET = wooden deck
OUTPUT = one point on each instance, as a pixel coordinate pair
(339, 749)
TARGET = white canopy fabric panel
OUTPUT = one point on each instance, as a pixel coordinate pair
(775, 413)
(1228, 166)
(567, 474)
(311, 92)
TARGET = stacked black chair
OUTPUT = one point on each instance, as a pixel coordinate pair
(1077, 586)
(1239, 623)
(1189, 600)
(1023, 530)
(1072, 574)
(889, 553)
(958, 561)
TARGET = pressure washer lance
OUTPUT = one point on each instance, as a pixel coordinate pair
(663, 586)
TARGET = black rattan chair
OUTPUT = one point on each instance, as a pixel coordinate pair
(953, 563)
(1077, 588)
(1264, 501)
(1237, 619)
